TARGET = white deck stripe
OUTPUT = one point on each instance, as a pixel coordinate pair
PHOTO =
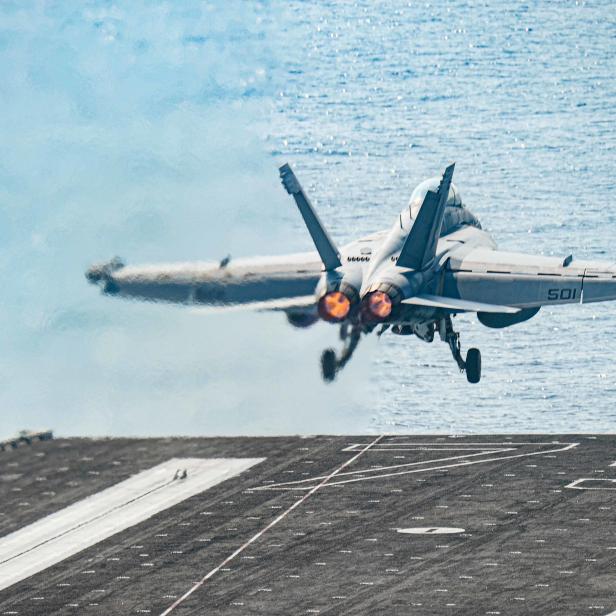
(50, 540)
(273, 523)
(449, 443)
(576, 485)
(380, 469)
(403, 447)
(298, 484)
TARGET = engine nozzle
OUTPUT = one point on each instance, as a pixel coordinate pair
(334, 307)
(377, 306)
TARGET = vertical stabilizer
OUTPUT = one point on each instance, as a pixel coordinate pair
(419, 247)
(325, 246)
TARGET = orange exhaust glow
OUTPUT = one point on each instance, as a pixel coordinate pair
(334, 306)
(379, 305)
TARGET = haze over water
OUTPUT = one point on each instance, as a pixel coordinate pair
(154, 131)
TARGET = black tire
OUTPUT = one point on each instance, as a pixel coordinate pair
(329, 364)
(473, 366)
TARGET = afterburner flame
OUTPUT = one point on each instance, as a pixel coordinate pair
(334, 306)
(379, 304)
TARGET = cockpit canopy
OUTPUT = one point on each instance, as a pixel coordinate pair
(417, 198)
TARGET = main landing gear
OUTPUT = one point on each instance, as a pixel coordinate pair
(350, 334)
(330, 363)
(472, 365)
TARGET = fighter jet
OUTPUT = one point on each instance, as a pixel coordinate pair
(435, 262)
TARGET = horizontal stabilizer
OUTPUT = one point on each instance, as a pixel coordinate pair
(276, 305)
(325, 246)
(450, 303)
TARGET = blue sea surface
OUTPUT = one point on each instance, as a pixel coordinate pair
(153, 130)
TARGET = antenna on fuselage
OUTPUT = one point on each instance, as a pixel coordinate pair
(325, 246)
(419, 248)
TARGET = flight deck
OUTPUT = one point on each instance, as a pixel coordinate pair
(421, 525)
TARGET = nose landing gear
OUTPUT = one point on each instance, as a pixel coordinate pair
(472, 365)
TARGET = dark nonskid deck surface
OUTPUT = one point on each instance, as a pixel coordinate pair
(323, 525)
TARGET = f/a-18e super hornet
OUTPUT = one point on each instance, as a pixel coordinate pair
(433, 263)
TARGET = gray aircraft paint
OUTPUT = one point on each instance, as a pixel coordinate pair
(463, 264)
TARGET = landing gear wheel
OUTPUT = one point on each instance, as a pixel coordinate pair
(473, 365)
(329, 365)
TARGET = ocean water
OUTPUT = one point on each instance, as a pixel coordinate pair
(153, 130)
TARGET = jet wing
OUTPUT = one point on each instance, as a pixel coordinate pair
(271, 283)
(526, 281)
